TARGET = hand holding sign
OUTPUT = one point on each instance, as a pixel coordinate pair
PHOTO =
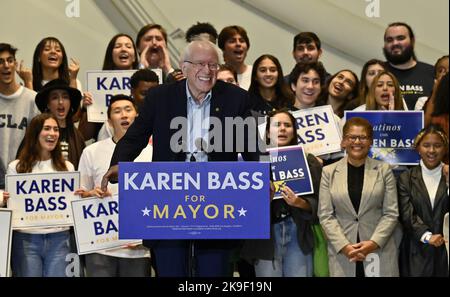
(6, 197)
(110, 176)
(294, 200)
(96, 192)
(87, 99)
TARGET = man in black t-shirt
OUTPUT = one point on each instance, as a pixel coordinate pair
(416, 78)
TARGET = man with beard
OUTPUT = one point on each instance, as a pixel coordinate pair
(307, 49)
(415, 78)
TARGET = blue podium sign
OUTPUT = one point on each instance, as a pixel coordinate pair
(203, 200)
(393, 134)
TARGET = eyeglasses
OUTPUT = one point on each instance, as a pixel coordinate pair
(200, 65)
(9, 60)
(353, 138)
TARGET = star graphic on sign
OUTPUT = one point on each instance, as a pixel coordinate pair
(146, 212)
(242, 212)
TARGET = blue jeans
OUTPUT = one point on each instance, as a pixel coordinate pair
(289, 259)
(37, 255)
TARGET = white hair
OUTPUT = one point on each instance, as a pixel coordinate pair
(200, 43)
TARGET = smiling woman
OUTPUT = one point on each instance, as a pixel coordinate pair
(61, 100)
(358, 208)
(268, 89)
(341, 88)
(41, 154)
(50, 62)
(423, 201)
(121, 54)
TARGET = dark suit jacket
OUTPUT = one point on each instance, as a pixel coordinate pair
(417, 217)
(168, 101)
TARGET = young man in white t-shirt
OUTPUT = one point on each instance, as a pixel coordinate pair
(94, 162)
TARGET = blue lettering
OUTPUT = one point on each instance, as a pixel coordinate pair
(323, 119)
(113, 207)
(34, 187)
(100, 83)
(87, 211)
(312, 120)
(62, 203)
(107, 99)
(29, 205)
(100, 230)
(111, 227)
(19, 187)
(101, 210)
(320, 135)
(126, 82)
(41, 205)
(114, 84)
(51, 204)
(45, 184)
(309, 137)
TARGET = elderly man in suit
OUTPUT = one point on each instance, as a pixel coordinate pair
(191, 102)
(358, 208)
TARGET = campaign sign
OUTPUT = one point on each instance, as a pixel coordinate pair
(42, 199)
(318, 132)
(194, 200)
(5, 241)
(96, 224)
(290, 168)
(393, 134)
(103, 85)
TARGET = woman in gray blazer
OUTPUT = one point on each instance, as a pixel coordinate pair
(358, 208)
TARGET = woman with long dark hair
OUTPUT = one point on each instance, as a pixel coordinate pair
(289, 251)
(121, 54)
(61, 100)
(50, 62)
(40, 251)
(340, 89)
(268, 89)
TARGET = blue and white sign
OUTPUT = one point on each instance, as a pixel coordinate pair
(103, 85)
(96, 224)
(393, 134)
(317, 129)
(42, 199)
(290, 168)
(198, 200)
(5, 241)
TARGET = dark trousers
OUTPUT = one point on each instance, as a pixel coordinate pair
(98, 265)
(173, 258)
